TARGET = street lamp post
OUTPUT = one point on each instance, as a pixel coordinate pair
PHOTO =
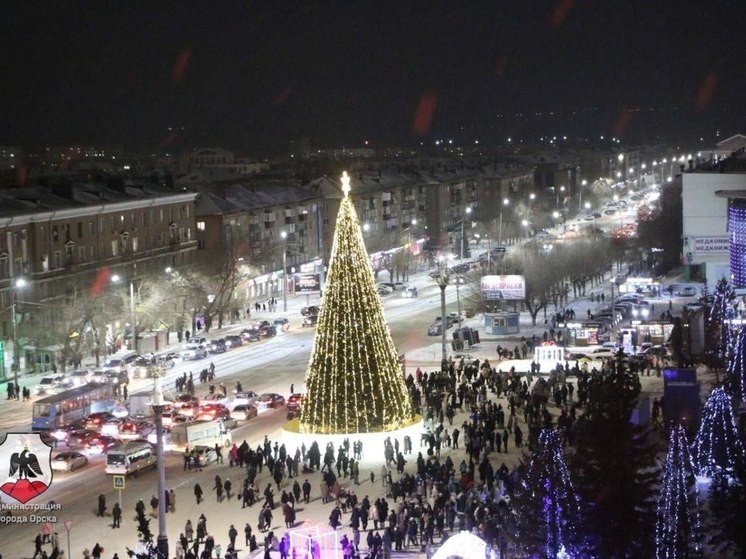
(158, 409)
(506, 201)
(442, 284)
(580, 193)
(284, 236)
(18, 284)
(467, 212)
(133, 311)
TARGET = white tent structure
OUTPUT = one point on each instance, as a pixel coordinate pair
(464, 545)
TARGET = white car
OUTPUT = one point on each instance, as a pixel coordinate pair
(193, 351)
(384, 289)
(49, 385)
(68, 461)
(245, 398)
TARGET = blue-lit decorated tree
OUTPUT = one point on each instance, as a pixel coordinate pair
(546, 506)
(717, 449)
(677, 526)
(718, 321)
(736, 379)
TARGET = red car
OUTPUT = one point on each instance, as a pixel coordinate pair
(211, 412)
(294, 402)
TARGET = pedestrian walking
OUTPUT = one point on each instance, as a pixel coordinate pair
(101, 505)
(232, 535)
(198, 493)
(247, 534)
(172, 501)
(154, 506)
(37, 546)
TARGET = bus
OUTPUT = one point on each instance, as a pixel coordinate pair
(131, 458)
(69, 406)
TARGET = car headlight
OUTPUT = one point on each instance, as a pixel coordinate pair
(645, 312)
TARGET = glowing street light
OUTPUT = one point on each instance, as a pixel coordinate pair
(463, 218)
(284, 236)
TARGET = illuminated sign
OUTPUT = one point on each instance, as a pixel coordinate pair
(510, 288)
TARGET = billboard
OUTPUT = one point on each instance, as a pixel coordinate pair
(307, 284)
(510, 288)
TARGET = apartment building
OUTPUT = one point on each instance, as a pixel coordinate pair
(59, 239)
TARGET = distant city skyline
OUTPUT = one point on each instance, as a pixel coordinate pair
(159, 76)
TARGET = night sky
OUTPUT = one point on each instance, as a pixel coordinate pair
(253, 75)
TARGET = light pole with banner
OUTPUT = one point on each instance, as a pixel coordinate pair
(20, 283)
(284, 236)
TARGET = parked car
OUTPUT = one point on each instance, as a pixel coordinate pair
(68, 461)
(270, 400)
(395, 285)
(310, 310)
(310, 320)
(461, 268)
(199, 340)
(687, 291)
(435, 329)
(233, 341)
(281, 324)
(244, 412)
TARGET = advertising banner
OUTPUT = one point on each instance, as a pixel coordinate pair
(510, 288)
(307, 284)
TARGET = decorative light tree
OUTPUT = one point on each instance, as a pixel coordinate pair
(737, 364)
(354, 380)
(721, 313)
(546, 505)
(677, 527)
(717, 450)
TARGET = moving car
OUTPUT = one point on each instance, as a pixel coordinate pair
(68, 461)
(49, 385)
(250, 335)
(101, 443)
(233, 341)
(384, 289)
(242, 398)
(310, 320)
(310, 310)
(281, 324)
(687, 291)
(294, 402)
(410, 293)
(193, 351)
(244, 412)
(217, 346)
(79, 438)
(270, 400)
(461, 268)
(96, 420)
(204, 455)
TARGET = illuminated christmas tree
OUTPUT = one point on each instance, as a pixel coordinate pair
(736, 379)
(717, 450)
(546, 505)
(677, 527)
(354, 380)
(722, 311)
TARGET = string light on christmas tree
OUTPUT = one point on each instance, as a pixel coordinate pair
(549, 481)
(677, 527)
(717, 449)
(354, 380)
(721, 315)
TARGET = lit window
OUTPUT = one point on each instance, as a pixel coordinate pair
(201, 225)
